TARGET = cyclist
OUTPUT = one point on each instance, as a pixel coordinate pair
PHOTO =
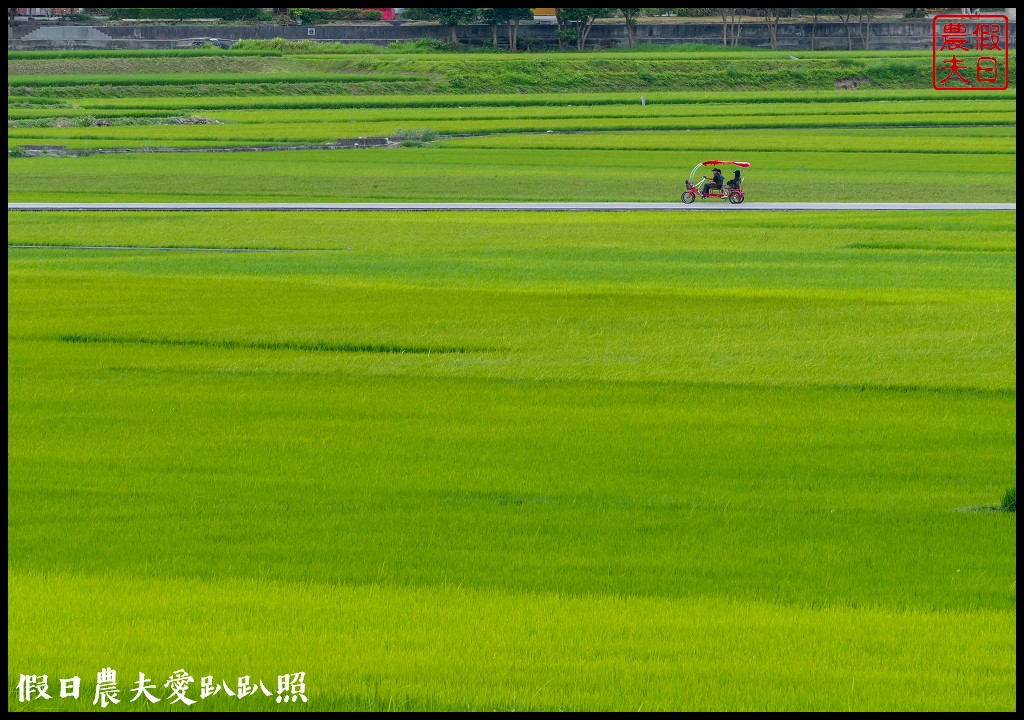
(716, 183)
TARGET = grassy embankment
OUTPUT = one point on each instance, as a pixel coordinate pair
(462, 74)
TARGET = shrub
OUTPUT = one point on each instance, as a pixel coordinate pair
(189, 13)
(686, 48)
(423, 45)
(315, 16)
(34, 101)
(895, 70)
(423, 135)
(1009, 503)
(273, 45)
(531, 43)
(304, 47)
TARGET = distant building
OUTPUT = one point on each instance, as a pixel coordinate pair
(46, 12)
(545, 15)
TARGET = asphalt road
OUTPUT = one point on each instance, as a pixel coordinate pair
(511, 206)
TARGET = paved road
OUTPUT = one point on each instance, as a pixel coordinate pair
(512, 206)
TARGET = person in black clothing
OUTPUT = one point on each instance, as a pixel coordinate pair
(734, 184)
(716, 182)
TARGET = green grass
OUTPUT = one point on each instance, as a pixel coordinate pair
(135, 54)
(451, 648)
(1009, 503)
(197, 79)
(801, 171)
(720, 110)
(127, 133)
(926, 141)
(160, 61)
(527, 100)
(322, 131)
(478, 73)
(516, 461)
(690, 461)
(310, 121)
(88, 120)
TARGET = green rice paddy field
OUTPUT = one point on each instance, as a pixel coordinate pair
(894, 165)
(518, 461)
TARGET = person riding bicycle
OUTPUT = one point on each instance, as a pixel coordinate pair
(715, 183)
(734, 184)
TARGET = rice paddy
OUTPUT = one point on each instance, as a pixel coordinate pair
(504, 461)
(265, 124)
(786, 166)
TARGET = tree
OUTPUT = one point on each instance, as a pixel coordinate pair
(490, 16)
(815, 12)
(844, 15)
(450, 18)
(864, 25)
(515, 15)
(771, 18)
(630, 15)
(574, 24)
(506, 16)
(730, 28)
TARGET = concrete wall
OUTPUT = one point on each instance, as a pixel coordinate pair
(793, 36)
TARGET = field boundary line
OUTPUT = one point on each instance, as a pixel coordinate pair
(168, 249)
(493, 206)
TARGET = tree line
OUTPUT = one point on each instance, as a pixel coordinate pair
(575, 24)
